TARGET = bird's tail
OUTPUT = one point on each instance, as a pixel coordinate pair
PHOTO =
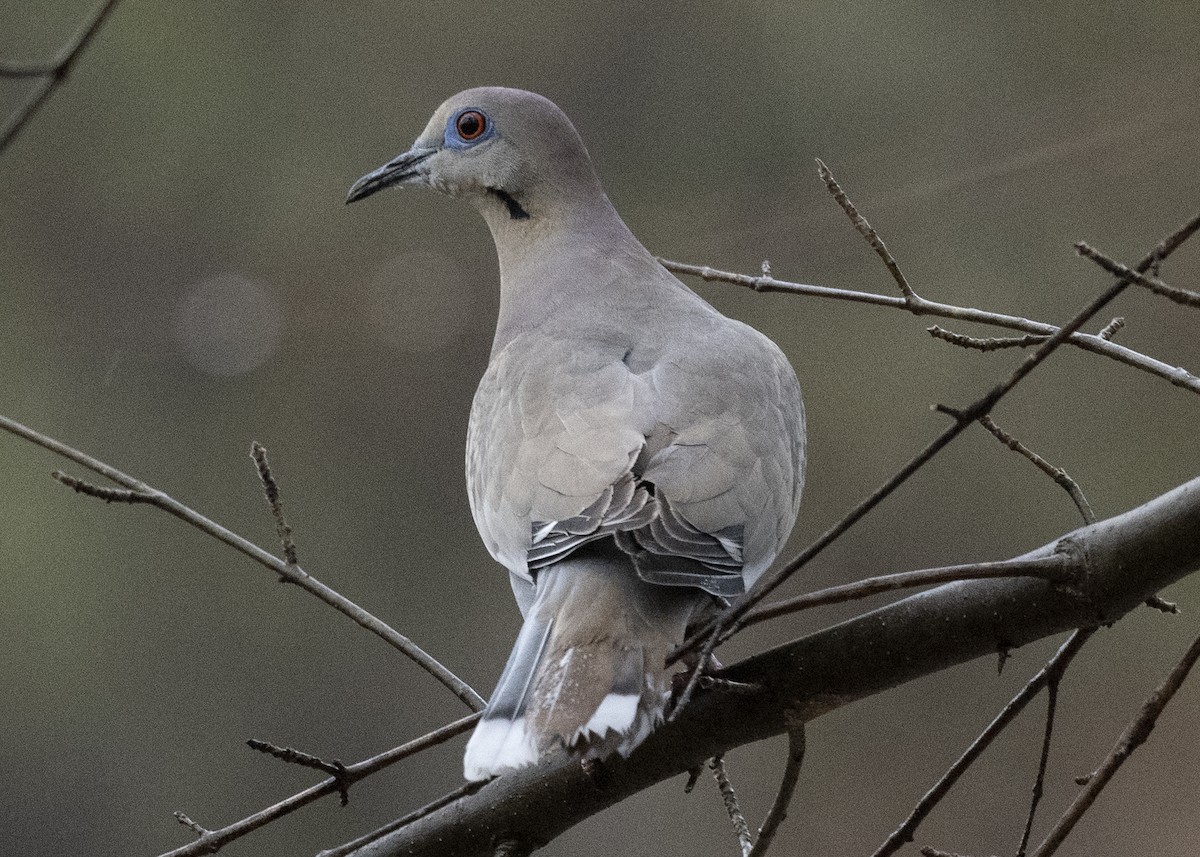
(588, 668)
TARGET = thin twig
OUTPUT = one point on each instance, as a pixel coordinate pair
(1057, 568)
(215, 839)
(53, 74)
(294, 573)
(1054, 667)
(990, 344)
(1110, 329)
(101, 492)
(271, 489)
(865, 230)
(190, 825)
(1176, 375)
(445, 800)
(783, 798)
(985, 404)
(706, 651)
(1161, 604)
(335, 769)
(1132, 738)
(1155, 285)
(1039, 781)
(729, 798)
(1056, 473)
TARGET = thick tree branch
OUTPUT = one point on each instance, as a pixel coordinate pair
(1121, 561)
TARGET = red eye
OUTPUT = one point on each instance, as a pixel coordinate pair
(471, 125)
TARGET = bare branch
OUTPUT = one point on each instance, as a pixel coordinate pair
(783, 798)
(1162, 605)
(1055, 667)
(1122, 561)
(1132, 738)
(53, 73)
(991, 344)
(865, 230)
(1056, 473)
(1110, 329)
(212, 840)
(293, 573)
(1056, 568)
(706, 650)
(335, 769)
(984, 405)
(102, 492)
(1101, 345)
(191, 825)
(514, 847)
(271, 488)
(1040, 780)
(1158, 287)
(729, 798)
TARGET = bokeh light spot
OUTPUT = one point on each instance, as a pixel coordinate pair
(228, 325)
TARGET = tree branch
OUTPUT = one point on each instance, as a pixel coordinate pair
(1120, 562)
(982, 406)
(211, 841)
(1132, 738)
(53, 74)
(140, 492)
(1096, 344)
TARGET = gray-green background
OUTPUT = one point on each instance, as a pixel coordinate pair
(178, 276)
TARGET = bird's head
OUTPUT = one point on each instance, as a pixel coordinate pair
(512, 153)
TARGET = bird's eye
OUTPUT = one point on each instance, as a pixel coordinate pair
(471, 125)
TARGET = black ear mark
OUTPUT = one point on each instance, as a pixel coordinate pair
(515, 211)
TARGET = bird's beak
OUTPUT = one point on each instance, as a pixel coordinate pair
(398, 171)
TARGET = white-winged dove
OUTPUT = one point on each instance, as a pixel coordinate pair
(633, 456)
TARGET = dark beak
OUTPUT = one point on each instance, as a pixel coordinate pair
(398, 171)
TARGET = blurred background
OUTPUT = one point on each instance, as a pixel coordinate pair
(179, 276)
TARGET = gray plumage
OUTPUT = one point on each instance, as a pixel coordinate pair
(631, 452)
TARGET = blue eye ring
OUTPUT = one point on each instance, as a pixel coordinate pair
(468, 127)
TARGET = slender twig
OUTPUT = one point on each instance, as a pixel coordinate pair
(101, 492)
(1054, 667)
(293, 573)
(920, 306)
(772, 579)
(1162, 605)
(271, 489)
(190, 825)
(866, 231)
(1110, 329)
(445, 800)
(335, 769)
(212, 840)
(1056, 473)
(990, 344)
(783, 798)
(729, 798)
(706, 650)
(1039, 781)
(1057, 568)
(53, 74)
(1132, 738)
(1155, 285)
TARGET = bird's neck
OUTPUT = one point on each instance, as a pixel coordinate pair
(558, 259)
